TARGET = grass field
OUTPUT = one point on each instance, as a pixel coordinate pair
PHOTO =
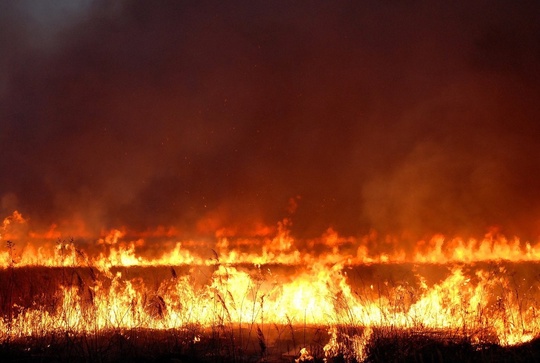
(308, 344)
(482, 312)
(268, 299)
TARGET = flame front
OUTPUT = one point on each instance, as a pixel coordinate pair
(485, 290)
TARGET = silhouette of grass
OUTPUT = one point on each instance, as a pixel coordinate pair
(228, 338)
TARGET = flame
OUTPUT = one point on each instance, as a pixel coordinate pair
(486, 289)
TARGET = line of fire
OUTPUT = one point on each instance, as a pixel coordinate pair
(485, 290)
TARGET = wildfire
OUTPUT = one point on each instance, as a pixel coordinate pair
(485, 290)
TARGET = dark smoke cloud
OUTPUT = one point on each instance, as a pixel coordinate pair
(407, 117)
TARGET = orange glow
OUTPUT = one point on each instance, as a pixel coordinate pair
(483, 289)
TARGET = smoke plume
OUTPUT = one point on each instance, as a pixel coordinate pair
(407, 117)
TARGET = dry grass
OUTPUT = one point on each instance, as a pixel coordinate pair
(228, 339)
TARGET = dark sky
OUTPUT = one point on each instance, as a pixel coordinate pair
(408, 117)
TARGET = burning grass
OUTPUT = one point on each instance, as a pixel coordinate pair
(371, 313)
(249, 302)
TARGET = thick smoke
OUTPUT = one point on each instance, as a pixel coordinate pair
(409, 117)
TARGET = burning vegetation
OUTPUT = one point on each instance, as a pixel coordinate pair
(264, 297)
(258, 181)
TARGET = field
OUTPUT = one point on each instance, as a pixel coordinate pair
(139, 345)
(267, 298)
(380, 312)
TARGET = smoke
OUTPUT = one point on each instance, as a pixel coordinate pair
(405, 117)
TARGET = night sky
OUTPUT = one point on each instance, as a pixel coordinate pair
(406, 117)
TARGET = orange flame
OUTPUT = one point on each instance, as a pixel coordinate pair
(486, 290)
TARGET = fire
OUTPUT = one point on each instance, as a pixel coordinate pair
(485, 290)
